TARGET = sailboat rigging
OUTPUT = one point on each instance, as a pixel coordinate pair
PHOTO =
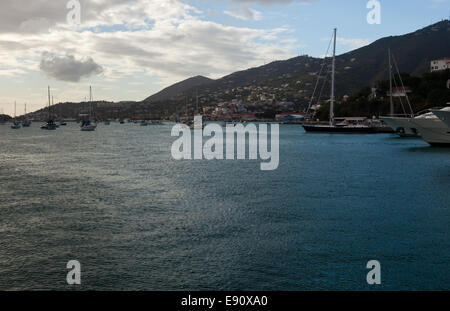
(87, 125)
(26, 122)
(16, 125)
(332, 127)
(50, 125)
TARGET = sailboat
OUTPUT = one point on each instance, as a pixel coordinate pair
(26, 122)
(197, 118)
(50, 125)
(16, 125)
(62, 122)
(399, 124)
(332, 127)
(87, 125)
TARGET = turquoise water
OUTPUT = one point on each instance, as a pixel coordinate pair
(136, 219)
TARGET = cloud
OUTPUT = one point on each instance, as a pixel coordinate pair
(163, 38)
(244, 13)
(271, 2)
(67, 68)
(156, 41)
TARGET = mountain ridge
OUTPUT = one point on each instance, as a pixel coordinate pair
(355, 69)
(167, 93)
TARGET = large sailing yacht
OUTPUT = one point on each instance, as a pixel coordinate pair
(87, 125)
(333, 127)
(400, 124)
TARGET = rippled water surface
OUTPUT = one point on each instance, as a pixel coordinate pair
(136, 219)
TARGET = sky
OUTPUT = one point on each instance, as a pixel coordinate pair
(130, 49)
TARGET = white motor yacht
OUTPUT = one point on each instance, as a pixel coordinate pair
(432, 129)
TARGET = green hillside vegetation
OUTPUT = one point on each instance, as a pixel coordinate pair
(427, 91)
(4, 118)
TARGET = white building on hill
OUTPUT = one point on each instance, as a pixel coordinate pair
(440, 64)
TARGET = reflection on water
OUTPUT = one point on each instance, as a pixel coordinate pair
(136, 219)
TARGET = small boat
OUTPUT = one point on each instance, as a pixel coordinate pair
(16, 125)
(143, 123)
(50, 125)
(62, 123)
(156, 122)
(26, 122)
(87, 125)
(107, 122)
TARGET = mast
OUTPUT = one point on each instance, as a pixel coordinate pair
(90, 102)
(49, 103)
(196, 104)
(14, 111)
(333, 72)
(390, 86)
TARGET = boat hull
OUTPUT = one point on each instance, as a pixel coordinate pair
(433, 131)
(49, 126)
(339, 130)
(401, 126)
(444, 116)
(88, 128)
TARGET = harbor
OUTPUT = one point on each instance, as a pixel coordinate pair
(224, 155)
(117, 201)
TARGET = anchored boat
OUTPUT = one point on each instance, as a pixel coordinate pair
(332, 127)
(87, 125)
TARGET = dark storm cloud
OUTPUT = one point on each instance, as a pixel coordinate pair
(68, 68)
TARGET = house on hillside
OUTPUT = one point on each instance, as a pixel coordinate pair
(440, 64)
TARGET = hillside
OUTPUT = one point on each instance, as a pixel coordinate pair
(4, 118)
(355, 69)
(180, 87)
(427, 91)
(290, 81)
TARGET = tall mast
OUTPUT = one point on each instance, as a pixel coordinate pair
(333, 71)
(14, 110)
(196, 104)
(49, 103)
(90, 102)
(390, 86)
